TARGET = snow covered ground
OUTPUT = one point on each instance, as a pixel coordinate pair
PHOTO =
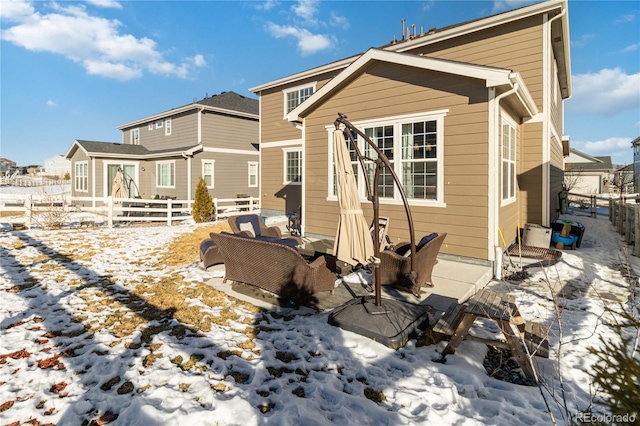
(100, 326)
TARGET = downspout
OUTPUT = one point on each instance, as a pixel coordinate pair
(494, 180)
(546, 154)
(189, 181)
(303, 203)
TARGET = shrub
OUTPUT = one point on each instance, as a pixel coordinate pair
(202, 203)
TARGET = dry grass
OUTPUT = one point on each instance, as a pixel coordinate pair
(184, 249)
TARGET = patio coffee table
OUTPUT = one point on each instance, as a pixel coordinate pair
(333, 263)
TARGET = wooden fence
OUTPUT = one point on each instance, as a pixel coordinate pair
(55, 210)
(625, 218)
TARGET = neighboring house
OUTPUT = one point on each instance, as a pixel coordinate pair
(635, 144)
(7, 166)
(588, 175)
(471, 117)
(57, 166)
(167, 153)
(623, 179)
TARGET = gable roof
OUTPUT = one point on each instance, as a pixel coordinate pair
(229, 103)
(126, 151)
(559, 37)
(493, 77)
(579, 160)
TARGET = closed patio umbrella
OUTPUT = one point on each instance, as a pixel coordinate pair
(353, 242)
(118, 189)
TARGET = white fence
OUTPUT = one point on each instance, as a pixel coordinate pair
(54, 210)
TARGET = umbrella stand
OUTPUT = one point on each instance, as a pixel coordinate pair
(393, 322)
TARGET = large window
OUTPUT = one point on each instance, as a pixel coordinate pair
(253, 173)
(207, 172)
(167, 127)
(135, 136)
(294, 97)
(165, 174)
(413, 145)
(508, 162)
(292, 166)
(81, 177)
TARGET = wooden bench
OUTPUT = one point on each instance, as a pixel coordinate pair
(522, 338)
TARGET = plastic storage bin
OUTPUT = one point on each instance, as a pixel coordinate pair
(536, 236)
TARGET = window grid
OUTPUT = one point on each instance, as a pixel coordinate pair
(253, 173)
(296, 97)
(293, 166)
(383, 137)
(207, 173)
(508, 162)
(165, 175)
(82, 177)
(419, 159)
(167, 127)
(135, 136)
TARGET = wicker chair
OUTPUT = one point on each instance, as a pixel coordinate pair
(272, 266)
(209, 254)
(395, 265)
(241, 223)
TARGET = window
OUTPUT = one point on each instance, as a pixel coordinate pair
(207, 172)
(413, 145)
(135, 136)
(159, 124)
(167, 127)
(81, 177)
(253, 173)
(292, 166)
(294, 97)
(508, 162)
(165, 174)
(150, 127)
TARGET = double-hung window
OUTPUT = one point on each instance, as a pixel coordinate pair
(295, 96)
(81, 177)
(253, 173)
(292, 166)
(207, 172)
(413, 145)
(167, 127)
(508, 162)
(165, 174)
(135, 136)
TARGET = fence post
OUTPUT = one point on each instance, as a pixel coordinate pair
(611, 215)
(215, 209)
(28, 209)
(627, 232)
(110, 211)
(169, 212)
(620, 216)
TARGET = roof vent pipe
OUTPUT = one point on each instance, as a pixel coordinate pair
(403, 21)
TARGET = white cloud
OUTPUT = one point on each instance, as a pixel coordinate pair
(308, 42)
(582, 40)
(267, 5)
(625, 19)
(307, 10)
(607, 145)
(631, 48)
(339, 21)
(111, 4)
(15, 9)
(94, 42)
(500, 5)
(52, 104)
(607, 92)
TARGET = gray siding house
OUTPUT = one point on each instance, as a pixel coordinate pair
(166, 154)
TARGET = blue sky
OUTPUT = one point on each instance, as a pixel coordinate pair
(77, 70)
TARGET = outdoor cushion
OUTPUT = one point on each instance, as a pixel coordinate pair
(406, 250)
(249, 223)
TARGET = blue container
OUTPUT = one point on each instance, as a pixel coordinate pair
(569, 240)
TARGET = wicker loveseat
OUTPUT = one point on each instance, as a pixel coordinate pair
(253, 224)
(273, 266)
(395, 265)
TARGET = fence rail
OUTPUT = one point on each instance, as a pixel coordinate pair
(50, 210)
(592, 205)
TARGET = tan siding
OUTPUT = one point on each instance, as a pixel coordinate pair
(376, 94)
(556, 178)
(221, 131)
(277, 197)
(530, 179)
(516, 46)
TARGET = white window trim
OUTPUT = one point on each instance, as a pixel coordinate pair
(213, 172)
(167, 127)
(249, 164)
(293, 89)
(397, 122)
(76, 177)
(132, 139)
(159, 124)
(285, 151)
(118, 163)
(509, 200)
(158, 164)
(150, 126)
